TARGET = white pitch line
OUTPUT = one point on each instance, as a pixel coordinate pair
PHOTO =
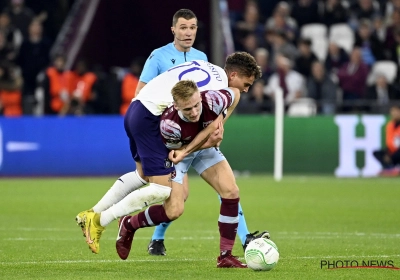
(182, 260)
(74, 239)
(279, 233)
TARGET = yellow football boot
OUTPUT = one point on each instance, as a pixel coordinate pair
(93, 231)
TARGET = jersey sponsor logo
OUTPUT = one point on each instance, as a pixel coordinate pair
(173, 61)
(168, 163)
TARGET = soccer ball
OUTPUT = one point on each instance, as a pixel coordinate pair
(261, 254)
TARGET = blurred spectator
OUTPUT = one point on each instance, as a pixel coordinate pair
(390, 157)
(13, 36)
(7, 52)
(364, 9)
(129, 83)
(391, 30)
(255, 101)
(352, 78)
(390, 7)
(290, 81)
(305, 58)
(250, 43)
(20, 16)
(83, 82)
(381, 93)
(335, 58)
(305, 11)
(236, 8)
(280, 44)
(379, 29)
(57, 86)
(33, 58)
(10, 91)
(322, 89)
(282, 9)
(51, 14)
(333, 12)
(395, 52)
(281, 21)
(249, 24)
(262, 58)
(371, 47)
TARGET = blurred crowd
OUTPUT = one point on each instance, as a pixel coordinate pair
(26, 36)
(326, 57)
(331, 56)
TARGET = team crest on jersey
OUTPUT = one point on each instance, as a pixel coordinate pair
(173, 174)
(168, 163)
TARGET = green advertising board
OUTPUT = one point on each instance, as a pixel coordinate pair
(311, 145)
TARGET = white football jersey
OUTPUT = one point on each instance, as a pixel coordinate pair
(156, 95)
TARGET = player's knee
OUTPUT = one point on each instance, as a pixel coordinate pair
(175, 212)
(230, 193)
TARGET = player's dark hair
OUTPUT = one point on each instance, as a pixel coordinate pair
(183, 13)
(183, 90)
(244, 64)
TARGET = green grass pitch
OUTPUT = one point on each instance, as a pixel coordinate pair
(310, 219)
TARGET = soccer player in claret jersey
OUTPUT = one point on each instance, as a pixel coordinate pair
(191, 111)
(242, 71)
(122, 199)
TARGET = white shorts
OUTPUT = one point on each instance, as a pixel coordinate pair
(200, 161)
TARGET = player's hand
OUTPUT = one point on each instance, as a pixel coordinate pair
(215, 138)
(176, 156)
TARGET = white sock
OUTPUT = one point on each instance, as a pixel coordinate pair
(135, 201)
(126, 184)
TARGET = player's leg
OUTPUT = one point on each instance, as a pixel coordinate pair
(156, 246)
(142, 128)
(125, 184)
(154, 158)
(152, 216)
(207, 159)
(120, 189)
(211, 164)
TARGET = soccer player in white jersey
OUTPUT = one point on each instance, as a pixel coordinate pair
(239, 73)
(191, 111)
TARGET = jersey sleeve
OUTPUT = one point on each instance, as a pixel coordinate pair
(205, 58)
(219, 100)
(151, 68)
(171, 134)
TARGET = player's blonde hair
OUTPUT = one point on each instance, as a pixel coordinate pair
(183, 90)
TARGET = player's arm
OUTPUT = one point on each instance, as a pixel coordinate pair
(139, 86)
(216, 138)
(178, 155)
(235, 101)
(151, 69)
